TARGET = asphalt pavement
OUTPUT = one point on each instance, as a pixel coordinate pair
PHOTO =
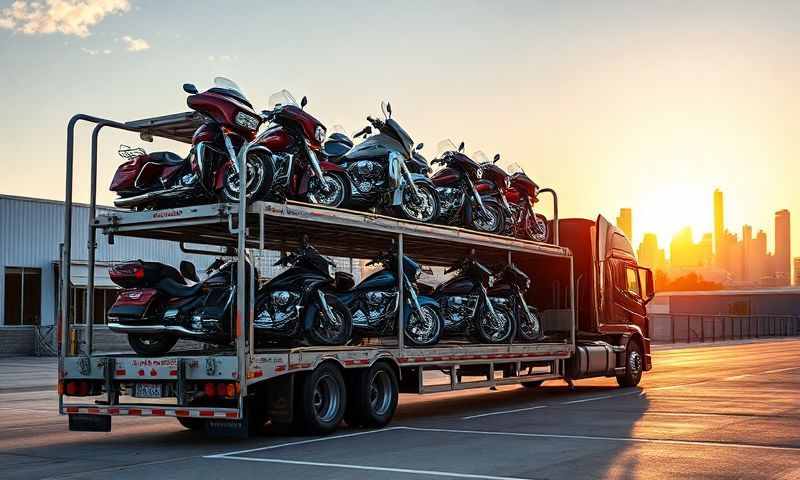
(717, 412)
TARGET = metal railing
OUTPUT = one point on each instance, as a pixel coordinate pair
(700, 328)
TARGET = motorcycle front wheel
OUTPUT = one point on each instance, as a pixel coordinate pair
(338, 193)
(492, 221)
(258, 179)
(499, 330)
(423, 207)
(424, 329)
(328, 332)
(536, 228)
(151, 345)
(529, 327)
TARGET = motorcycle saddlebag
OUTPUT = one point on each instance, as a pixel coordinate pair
(142, 274)
(125, 177)
(133, 303)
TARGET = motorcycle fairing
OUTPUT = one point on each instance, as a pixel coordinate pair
(376, 146)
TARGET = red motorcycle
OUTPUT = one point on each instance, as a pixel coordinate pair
(293, 142)
(517, 193)
(211, 171)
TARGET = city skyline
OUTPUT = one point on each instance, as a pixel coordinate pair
(721, 256)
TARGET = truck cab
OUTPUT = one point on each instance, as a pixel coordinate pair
(611, 289)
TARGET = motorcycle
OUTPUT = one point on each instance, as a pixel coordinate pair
(379, 176)
(467, 307)
(301, 303)
(374, 304)
(461, 203)
(160, 305)
(508, 291)
(211, 171)
(294, 143)
(517, 193)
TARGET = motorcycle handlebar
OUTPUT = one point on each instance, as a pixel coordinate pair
(375, 122)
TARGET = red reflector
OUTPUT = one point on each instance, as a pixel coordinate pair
(182, 413)
(134, 411)
(141, 373)
(139, 273)
(120, 372)
(206, 413)
(72, 388)
(210, 390)
(158, 411)
(232, 415)
(71, 409)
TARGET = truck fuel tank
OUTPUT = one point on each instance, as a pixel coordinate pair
(596, 359)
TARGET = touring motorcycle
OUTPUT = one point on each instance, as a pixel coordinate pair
(508, 291)
(379, 176)
(300, 304)
(461, 202)
(517, 194)
(160, 305)
(211, 171)
(374, 303)
(467, 307)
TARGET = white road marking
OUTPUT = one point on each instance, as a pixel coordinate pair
(612, 439)
(736, 377)
(682, 385)
(301, 442)
(431, 473)
(592, 399)
(503, 412)
(781, 370)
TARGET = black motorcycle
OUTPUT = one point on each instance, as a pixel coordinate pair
(160, 305)
(374, 304)
(467, 308)
(379, 173)
(300, 304)
(509, 292)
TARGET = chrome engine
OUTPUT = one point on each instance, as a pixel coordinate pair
(367, 175)
(281, 310)
(379, 304)
(450, 199)
(458, 310)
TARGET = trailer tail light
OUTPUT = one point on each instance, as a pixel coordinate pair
(221, 389)
(210, 390)
(81, 388)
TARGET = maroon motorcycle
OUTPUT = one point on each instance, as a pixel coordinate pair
(517, 193)
(293, 142)
(211, 171)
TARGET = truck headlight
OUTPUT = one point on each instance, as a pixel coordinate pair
(319, 133)
(247, 121)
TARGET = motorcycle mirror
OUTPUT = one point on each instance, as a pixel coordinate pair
(461, 147)
(146, 137)
(190, 89)
(496, 157)
(420, 145)
(389, 109)
(303, 102)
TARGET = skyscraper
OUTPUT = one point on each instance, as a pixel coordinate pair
(719, 230)
(783, 260)
(797, 271)
(747, 255)
(625, 222)
(649, 254)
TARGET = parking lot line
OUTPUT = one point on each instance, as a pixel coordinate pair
(430, 473)
(603, 397)
(782, 370)
(612, 439)
(503, 412)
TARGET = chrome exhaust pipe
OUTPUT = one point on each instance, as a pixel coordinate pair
(153, 329)
(137, 200)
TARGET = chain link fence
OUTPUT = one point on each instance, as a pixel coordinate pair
(700, 328)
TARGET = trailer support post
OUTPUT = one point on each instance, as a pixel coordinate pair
(241, 307)
(401, 294)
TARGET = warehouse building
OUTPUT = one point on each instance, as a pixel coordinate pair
(31, 235)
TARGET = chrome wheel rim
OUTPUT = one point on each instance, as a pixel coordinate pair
(497, 329)
(531, 325)
(635, 363)
(326, 398)
(423, 329)
(335, 193)
(420, 207)
(254, 176)
(380, 392)
(536, 228)
(329, 329)
(486, 222)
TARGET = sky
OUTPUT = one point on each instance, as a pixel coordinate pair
(649, 105)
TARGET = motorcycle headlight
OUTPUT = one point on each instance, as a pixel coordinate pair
(247, 121)
(508, 182)
(319, 133)
(479, 172)
(490, 281)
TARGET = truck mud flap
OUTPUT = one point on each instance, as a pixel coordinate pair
(228, 428)
(81, 422)
(280, 399)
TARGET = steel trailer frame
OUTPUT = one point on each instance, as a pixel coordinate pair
(231, 225)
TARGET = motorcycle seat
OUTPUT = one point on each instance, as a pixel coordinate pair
(425, 289)
(343, 281)
(176, 289)
(165, 158)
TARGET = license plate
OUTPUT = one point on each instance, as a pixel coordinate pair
(147, 390)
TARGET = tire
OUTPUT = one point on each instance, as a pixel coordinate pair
(530, 331)
(487, 332)
(494, 223)
(192, 423)
(536, 228)
(259, 170)
(634, 365)
(536, 384)
(425, 210)
(151, 345)
(322, 400)
(339, 194)
(426, 330)
(320, 331)
(372, 397)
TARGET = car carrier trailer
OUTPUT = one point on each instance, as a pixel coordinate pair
(233, 389)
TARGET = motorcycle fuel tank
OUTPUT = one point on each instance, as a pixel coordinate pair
(456, 286)
(376, 146)
(276, 139)
(379, 280)
(445, 176)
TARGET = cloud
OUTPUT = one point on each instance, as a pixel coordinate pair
(70, 17)
(89, 51)
(135, 44)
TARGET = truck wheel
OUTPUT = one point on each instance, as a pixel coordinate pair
(192, 423)
(323, 400)
(373, 396)
(633, 365)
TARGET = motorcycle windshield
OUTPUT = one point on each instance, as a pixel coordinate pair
(480, 157)
(514, 168)
(230, 88)
(401, 135)
(282, 99)
(338, 129)
(445, 146)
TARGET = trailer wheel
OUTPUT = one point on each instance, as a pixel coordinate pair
(535, 384)
(323, 400)
(633, 365)
(192, 423)
(373, 396)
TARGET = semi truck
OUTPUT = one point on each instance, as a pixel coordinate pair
(586, 283)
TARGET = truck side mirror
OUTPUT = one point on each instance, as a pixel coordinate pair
(649, 286)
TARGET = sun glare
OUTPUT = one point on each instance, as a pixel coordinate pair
(670, 207)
